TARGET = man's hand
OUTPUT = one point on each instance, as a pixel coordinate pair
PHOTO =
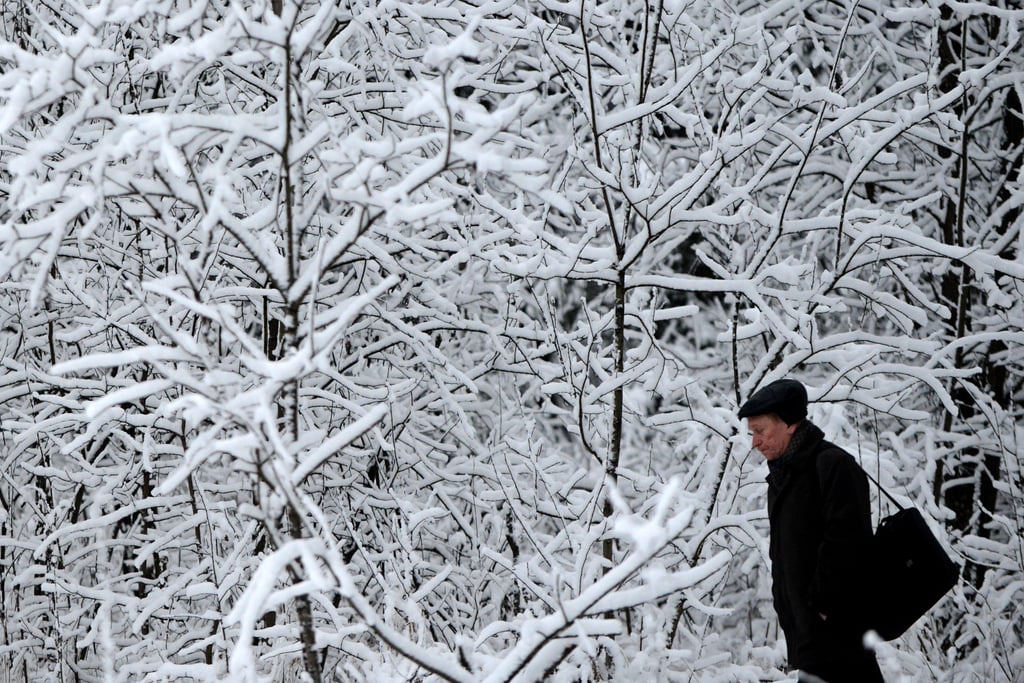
(823, 617)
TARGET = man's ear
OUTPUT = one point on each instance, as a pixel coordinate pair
(791, 429)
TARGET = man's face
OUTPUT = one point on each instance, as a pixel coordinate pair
(770, 435)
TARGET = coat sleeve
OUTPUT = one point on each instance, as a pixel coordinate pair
(840, 579)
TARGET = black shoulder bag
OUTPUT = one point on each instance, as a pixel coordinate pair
(911, 570)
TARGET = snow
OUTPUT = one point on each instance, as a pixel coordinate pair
(470, 457)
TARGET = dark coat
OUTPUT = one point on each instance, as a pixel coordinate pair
(820, 517)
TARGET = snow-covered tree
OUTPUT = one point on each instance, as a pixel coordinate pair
(403, 340)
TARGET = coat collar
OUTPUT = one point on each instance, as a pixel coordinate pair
(798, 456)
(803, 444)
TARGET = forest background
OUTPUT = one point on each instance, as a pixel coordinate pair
(399, 340)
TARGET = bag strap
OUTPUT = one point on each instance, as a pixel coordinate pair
(882, 489)
(873, 480)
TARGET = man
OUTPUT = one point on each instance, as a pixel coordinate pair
(820, 520)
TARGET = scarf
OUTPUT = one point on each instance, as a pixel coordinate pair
(807, 431)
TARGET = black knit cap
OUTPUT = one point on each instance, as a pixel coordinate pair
(786, 398)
